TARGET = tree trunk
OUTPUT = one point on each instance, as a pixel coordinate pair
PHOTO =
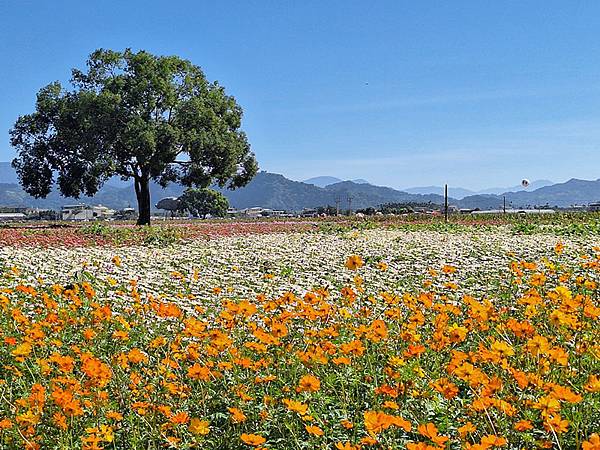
(142, 192)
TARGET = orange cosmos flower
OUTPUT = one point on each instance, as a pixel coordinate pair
(237, 416)
(466, 429)
(95, 369)
(279, 329)
(295, 406)
(114, 415)
(430, 431)
(180, 418)
(309, 383)
(523, 425)
(593, 443)
(65, 400)
(252, 439)
(547, 405)
(382, 266)
(390, 404)
(537, 279)
(198, 372)
(401, 423)
(448, 269)
(421, 446)
(376, 421)
(414, 350)
(559, 247)
(341, 360)
(354, 262)
(593, 384)
(368, 441)
(121, 335)
(492, 441)
(346, 446)
(60, 421)
(314, 430)
(556, 424)
(446, 388)
(347, 424)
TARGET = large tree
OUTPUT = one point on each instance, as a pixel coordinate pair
(137, 116)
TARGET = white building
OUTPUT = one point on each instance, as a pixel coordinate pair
(12, 216)
(273, 213)
(255, 211)
(594, 207)
(85, 212)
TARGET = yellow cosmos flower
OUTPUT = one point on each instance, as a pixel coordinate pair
(200, 427)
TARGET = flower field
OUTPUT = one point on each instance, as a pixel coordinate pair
(297, 338)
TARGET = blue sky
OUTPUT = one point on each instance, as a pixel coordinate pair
(401, 93)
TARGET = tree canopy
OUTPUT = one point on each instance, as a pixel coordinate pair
(137, 116)
(200, 202)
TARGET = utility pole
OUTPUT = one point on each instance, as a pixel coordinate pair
(350, 205)
(337, 205)
(446, 202)
(504, 207)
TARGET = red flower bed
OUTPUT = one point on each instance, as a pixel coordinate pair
(129, 234)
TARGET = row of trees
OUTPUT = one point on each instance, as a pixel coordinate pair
(137, 116)
(387, 208)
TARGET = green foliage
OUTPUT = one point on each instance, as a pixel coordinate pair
(117, 235)
(200, 202)
(135, 115)
(161, 236)
(580, 229)
(525, 228)
(95, 229)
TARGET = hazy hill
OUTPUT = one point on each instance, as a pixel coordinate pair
(439, 190)
(322, 181)
(460, 193)
(267, 190)
(271, 190)
(275, 191)
(571, 192)
(532, 187)
(325, 181)
(365, 195)
(563, 195)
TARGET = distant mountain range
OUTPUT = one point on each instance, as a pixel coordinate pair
(460, 193)
(269, 190)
